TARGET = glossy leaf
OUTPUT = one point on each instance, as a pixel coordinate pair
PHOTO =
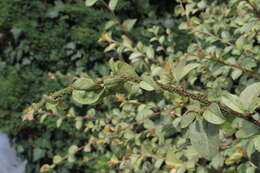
(87, 97)
(112, 83)
(84, 84)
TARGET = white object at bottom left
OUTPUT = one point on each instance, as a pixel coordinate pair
(9, 162)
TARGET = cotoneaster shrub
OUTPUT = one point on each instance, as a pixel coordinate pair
(170, 104)
(43, 40)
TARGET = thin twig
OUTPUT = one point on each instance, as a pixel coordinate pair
(203, 100)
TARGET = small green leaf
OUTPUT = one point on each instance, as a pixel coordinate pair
(148, 124)
(142, 114)
(84, 84)
(172, 160)
(73, 149)
(158, 163)
(129, 24)
(233, 102)
(16, 32)
(135, 55)
(110, 23)
(112, 4)
(90, 3)
(254, 104)
(226, 35)
(129, 134)
(205, 138)
(188, 68)
(150, 52)
(87, 97)
(187, 119)
(255, 159)
(149, 80)
(71, 158)
(241, 41)
(214, 115)
(45, 168)
(87, 148)
(146, 86)
(38, 154)
(127, 42)
(250, 170)
(43, 117)
(180, 70)
(57, 159)
(112, 46)
(78, 123)
(113, 66)
(59, 122)
(247, 129)
(125, 69)
(236, 73)
(250, 93)
(257, 142)
(113, 82)
(218, 161)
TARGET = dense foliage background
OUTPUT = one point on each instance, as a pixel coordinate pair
(112, 55)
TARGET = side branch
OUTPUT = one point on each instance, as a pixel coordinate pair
(226, 109)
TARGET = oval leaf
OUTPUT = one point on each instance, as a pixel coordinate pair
(257, 142)
(250, 93)
(180, 70)
(214, 115)
(125, 69)
(57, 159)
(204, 138)
(233, 102)
(73, 149)
(90, 3)
(146, 86)
(111, 83)
(87, 97)
(129, 24)
(84, 84)
(112, 4)
(187, 119)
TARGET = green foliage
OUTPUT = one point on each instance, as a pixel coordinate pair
(204, 138)
(181, 95)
